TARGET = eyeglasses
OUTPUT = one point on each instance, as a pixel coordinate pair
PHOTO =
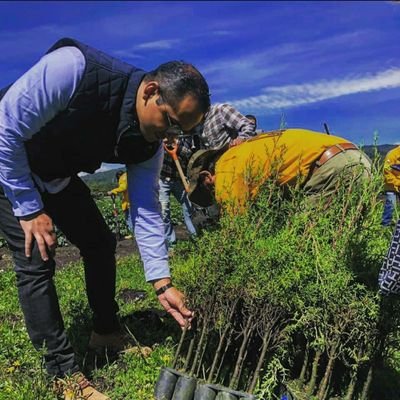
(172, 126)
(173, 129)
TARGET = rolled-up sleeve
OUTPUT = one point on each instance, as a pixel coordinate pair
(146, 216)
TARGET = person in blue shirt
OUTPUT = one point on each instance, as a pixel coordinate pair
(74, 109)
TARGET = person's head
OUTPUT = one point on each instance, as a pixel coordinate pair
(252, 119)
(201, 174)
(118, 175)
(172, 98)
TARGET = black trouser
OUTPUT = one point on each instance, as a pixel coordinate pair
(75, 213)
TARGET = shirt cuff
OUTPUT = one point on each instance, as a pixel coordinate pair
(27, 203)
(156, 270)
(30, 217)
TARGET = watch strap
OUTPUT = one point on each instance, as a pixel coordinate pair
(164, 288)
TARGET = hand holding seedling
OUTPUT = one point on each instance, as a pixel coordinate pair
(173, 302)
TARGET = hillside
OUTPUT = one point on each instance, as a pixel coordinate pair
(383, 149)
(101, 181)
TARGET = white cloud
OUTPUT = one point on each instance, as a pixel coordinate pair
(136, 52)
(158, 44)
(223, 74)
(291, 59)
(128, 54)
(104, 167)
(288, 96)
(222, 32)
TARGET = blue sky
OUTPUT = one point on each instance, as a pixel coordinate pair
(301, 62)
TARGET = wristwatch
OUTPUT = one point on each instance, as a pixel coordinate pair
(164, 288)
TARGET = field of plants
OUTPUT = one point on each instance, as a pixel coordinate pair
(285, 296)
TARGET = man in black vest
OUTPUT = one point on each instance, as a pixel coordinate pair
(74, 109)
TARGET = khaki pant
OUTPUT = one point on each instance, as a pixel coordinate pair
(345, 168)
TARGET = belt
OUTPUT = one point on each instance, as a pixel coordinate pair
(332, 151)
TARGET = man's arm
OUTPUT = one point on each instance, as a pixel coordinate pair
(235, 121)
(149, 232)
(31, 102)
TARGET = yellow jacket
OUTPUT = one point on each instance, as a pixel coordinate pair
(123, 188)
(391, 170)
(289, 154)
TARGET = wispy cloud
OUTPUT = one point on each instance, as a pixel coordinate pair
(229, 74)
(288, 96)
(128, 54)
(132, 27)
(138, 51)
(292, 59)
(159, 44)
(222, 32)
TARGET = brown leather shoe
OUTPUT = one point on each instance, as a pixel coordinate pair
(114, 342)
(78, 387)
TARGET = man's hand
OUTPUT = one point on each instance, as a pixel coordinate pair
(236, 142)
(173, 302)
(170, 141)
(41, 228)
(109, 193)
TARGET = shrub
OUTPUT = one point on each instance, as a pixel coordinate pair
(287, 293)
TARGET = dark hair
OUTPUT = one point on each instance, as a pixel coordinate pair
(251, 116)
(178, 79)
(119, 174)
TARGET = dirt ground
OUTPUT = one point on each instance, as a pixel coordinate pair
(68, 254)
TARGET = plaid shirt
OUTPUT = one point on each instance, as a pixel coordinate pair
(187, 146)
(222, 124)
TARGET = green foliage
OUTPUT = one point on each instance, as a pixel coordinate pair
(288, 276)
(176, 211)
(305, 272)
(106, 208)
(274, 374)
(22, 374)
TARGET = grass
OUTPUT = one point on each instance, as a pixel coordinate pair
(130, 376)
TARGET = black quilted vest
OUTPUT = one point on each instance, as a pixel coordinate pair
(98, 125)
